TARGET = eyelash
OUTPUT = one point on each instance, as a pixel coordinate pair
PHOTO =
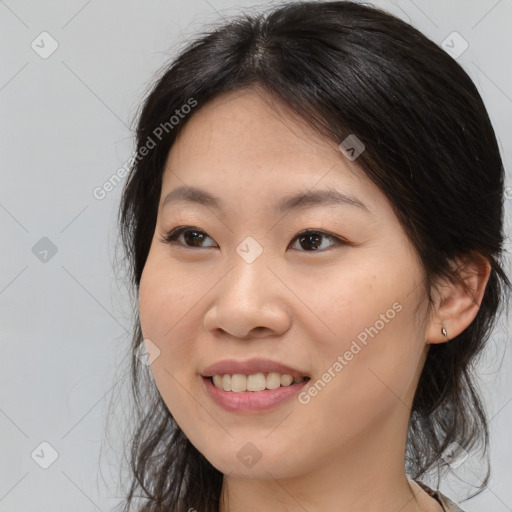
(177, 232)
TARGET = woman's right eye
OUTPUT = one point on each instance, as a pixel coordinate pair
(191, 236)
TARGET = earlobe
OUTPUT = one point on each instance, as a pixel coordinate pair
(459, 300)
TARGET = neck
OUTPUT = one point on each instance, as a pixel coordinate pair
(368, 474)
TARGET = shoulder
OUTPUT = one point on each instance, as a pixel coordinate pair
(447, 504)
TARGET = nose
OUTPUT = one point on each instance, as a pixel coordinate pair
(250, 302)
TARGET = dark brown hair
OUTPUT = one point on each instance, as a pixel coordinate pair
(345, 68)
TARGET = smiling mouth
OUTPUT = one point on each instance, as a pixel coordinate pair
(239, 382)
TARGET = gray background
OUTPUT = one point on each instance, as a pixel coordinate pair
(65, 317)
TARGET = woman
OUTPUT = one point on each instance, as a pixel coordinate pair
(313, 225)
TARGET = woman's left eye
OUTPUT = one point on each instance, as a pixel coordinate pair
(311, 239)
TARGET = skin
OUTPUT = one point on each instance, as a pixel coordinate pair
(344, 450)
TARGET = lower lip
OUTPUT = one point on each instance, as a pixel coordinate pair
(249, 401)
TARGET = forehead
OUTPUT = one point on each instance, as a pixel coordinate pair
(252, 130)
(244, 144)
(250, 123)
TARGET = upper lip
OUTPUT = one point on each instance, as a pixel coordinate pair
(250, 367)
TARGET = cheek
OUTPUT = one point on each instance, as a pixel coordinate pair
(374, 353)
(370, 303)
(149, 299)
(167, 319)
(345, 308)
(162, 300)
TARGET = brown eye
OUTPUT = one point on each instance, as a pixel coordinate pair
(313, 240)
(191, 237)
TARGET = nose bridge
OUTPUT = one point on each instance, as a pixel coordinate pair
(249, 269)
(250, 250)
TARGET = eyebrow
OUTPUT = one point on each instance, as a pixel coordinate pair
(300, 201)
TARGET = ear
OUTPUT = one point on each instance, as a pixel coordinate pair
(456, 307)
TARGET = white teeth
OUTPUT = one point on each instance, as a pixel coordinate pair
(286, 380)
(226, 382)
(238, 382)
(255, 382)
(273, 380)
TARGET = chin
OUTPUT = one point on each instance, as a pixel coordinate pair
(240, 464)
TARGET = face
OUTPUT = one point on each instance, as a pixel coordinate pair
(330, 288)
